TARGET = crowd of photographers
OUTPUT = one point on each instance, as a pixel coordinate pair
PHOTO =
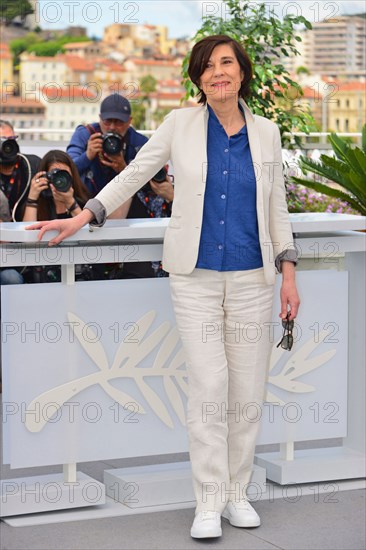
(59, 185)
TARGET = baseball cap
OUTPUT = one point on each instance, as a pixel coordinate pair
(115, 106)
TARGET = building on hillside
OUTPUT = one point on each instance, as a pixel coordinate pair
(24, 114)
(159, 69)
(6, 68)
(79, 71)
(83, 49)
(36, 71)
(147, 40)
(347, 109)
(112, 77)
(66, 108)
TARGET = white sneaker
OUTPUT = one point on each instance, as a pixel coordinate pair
(241, 514)
(206, 524)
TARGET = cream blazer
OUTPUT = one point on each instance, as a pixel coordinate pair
(182, 139)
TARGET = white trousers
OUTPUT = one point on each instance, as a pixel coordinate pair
(221, 318)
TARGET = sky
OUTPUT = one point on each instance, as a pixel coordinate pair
(182, 18)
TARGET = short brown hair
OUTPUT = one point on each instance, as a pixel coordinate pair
(201, 54)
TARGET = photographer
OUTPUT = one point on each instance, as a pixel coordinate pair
(101, 150)
(16, 171)
(153, 200)
(56, 191)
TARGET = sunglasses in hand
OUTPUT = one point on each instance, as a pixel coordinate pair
(287, 339)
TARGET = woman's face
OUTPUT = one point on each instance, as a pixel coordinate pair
(222, 77)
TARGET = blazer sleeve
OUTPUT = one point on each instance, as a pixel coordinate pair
(279, 222)
(148, 161)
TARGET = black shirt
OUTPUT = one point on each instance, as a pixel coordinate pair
(14, 186)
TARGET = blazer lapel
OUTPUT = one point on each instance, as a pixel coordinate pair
(203, 151)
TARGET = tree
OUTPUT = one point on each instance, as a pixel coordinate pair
(138, 113)
(265, 37)
(10, 9)
(147, 86)
(33, 42)
(20, 45)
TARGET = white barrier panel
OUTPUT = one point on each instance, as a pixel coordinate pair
(95, 371)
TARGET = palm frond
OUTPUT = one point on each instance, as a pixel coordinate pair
(331, 174)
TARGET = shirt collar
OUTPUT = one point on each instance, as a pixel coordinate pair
(213, 118)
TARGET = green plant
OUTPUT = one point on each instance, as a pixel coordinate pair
(11, 10)
(347, 169)
(265, 38)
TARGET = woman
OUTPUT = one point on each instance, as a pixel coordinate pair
(228, 232)
(45, 201)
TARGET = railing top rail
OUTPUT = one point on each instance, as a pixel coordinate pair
(35, 130)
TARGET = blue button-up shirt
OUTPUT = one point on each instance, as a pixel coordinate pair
(229, 236)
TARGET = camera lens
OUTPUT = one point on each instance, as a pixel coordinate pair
(160, 176)
(112, 143)
(8, 151)
(61, 179)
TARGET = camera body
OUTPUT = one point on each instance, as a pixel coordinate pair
(9, 150)
(160, 176)
(112, 143)
(60, 179)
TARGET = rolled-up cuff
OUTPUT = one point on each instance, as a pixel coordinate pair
(288, 255)
(98, 211)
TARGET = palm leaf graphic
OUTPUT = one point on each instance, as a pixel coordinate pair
(155, 402)
(59, 395)
(94, 349)
(175, 398)
(271, 398)
(97, 354)
(276, 354)
(299, 363)
(178, 361)
(166, 349)
(136, 352)
(121, 397)
(183, 385)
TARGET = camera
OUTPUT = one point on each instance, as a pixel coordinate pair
(112, 143)
(9, 150)
(61, 179)
(160, 176)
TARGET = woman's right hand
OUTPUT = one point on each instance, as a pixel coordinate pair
(38, 184)
(65, 228)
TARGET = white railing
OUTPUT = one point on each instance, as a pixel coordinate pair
(35, 140)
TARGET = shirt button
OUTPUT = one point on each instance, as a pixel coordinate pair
(223, 196)
(226, 150)
(225, 172)
(220, 247)
(222, 222)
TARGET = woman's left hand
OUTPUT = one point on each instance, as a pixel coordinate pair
(289, 296)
